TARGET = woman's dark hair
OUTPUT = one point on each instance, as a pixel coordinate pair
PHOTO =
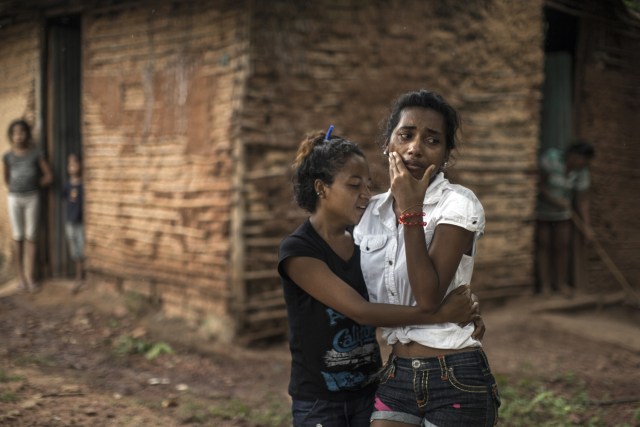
(320, 159)
(19, 122)
(425, 99)
(582, 148)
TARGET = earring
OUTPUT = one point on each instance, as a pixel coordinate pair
(318, 193)
(444, 165)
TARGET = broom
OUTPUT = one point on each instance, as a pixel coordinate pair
(604, 256)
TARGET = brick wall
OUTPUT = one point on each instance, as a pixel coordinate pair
(160, 84)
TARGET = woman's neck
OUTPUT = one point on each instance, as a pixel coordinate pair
(327, 229)
(335, 235)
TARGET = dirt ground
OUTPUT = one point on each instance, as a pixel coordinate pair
(76, 360)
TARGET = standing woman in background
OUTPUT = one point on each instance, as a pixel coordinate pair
(564, 186)
(25, 172)
(335, 356)
(418, 244)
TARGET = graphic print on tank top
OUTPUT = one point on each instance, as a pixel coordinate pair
(354, 350)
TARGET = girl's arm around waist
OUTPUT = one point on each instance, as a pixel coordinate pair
(315, 278)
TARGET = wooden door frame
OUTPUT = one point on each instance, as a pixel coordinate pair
(62, 116)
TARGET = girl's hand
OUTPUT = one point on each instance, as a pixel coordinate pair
(407, 190)
(47, 175)
(479, 328)
(459, 307)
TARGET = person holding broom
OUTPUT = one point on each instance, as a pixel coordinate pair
(564, 184)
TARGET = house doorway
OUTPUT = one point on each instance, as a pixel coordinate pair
(561, 35)
(63, 128)
(557, 119)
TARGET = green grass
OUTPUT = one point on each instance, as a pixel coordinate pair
(559, 402)
(8, 397)
(35, 359)
(6, 378)
(126, 344)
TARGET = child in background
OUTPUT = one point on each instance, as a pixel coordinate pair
(74, 196)
(25, 172)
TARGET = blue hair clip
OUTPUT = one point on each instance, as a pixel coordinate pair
(328, 136)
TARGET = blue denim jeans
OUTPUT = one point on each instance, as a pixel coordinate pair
(325, 413)
(444, 391)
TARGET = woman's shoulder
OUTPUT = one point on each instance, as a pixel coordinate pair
(462, 201)
(460, 192)
(374, 205)
(377, 200)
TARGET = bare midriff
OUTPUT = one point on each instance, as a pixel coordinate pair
(413, 349)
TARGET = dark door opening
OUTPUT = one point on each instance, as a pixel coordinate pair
(557, 107)
(557, 124)
(63, 127)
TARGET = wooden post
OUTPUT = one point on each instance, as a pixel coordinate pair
(238, 290)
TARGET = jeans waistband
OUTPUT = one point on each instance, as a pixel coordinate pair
(476, 356)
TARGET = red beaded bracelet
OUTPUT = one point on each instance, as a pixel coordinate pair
(422, 223)
(404, 218)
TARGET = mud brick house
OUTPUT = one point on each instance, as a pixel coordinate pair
(187, 114)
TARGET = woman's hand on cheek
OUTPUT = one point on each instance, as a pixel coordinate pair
(407, 190)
